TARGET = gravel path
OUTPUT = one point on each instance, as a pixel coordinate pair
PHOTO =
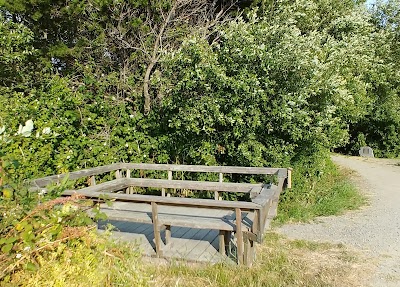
(374, 229)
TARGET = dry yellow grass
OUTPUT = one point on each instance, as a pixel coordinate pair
(281, 262)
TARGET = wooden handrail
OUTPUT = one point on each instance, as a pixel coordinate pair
(176, 201)
(42, 182)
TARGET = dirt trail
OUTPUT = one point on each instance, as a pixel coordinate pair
(375, 229)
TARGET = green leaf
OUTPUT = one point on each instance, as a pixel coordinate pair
(31, 266)
(7, 248)
(11, 240)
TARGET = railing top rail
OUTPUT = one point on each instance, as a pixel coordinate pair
(176, 201)
(280, 172)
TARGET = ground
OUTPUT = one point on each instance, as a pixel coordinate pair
(375, 229)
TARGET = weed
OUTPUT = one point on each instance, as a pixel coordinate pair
(280, 262)
(330, 193)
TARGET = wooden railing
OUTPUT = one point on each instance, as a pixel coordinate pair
(248, 229)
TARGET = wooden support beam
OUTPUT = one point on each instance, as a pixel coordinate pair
(156, 227)
(255, 228)
(227, 242)
(92, 180)
(239, 235)
(167, 234)
(221, 239)
(289, 178)
(216, 193)
(42, 182)
(128, 175)
(248, 250)
(170, 177)
(246, 243)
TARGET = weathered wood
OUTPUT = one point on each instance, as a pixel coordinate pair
(255, 228)
(156, 226)
(204, 168)
(255, 191)
(221, 179)
(246, 243)
(227, 238)
(167, 234)
(42, 182)
(98, 194)
(266, 194)
(289, 178)
(169, 175)
(128, 175)
(248, 250)
(248, 221)
(160, 183)
(221, 239)
(193, 185)
(92, 180)
(239, 235)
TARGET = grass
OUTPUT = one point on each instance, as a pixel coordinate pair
(92, 260)
(281, 262)
(330, 193)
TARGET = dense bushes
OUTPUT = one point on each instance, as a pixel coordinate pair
(281, 84)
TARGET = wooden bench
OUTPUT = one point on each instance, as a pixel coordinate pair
(247, 220)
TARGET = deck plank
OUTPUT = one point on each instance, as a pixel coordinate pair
(200, 245)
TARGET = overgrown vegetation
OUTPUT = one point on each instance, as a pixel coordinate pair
(248, 83)
(51, 241)
(330, 192)
(281, 262)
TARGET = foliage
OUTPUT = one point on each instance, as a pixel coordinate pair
(265, 91)
(29, 231)
(380, 126)
(319, 189)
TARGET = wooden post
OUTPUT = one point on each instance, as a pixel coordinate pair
(216, 193)
(92, 180)
(227, 237)
(167, 234)
(255, 228)
(221, 239)
(248, 250)
(156, 228)
(170, 175)
(289, 178)
(239, 235)
(128, 175)
(118, 174)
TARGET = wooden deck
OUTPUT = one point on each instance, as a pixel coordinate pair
(166, 223)
(189, 244)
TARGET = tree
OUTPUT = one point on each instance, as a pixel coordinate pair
(123, 37)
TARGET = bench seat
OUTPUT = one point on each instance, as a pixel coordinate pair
(210, 218)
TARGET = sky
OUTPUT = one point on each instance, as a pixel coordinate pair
(369, 2)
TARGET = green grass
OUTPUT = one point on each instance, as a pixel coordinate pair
(330, 193)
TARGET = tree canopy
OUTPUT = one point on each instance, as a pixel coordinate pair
(255, 83)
